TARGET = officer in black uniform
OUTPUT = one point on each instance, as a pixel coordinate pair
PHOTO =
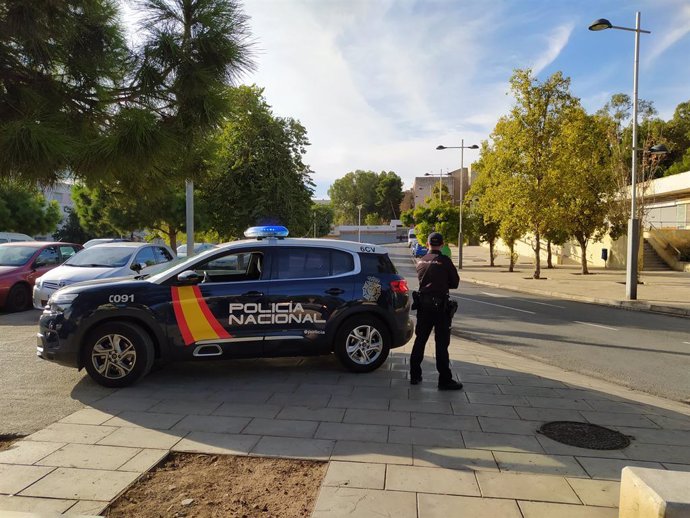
(437, 275)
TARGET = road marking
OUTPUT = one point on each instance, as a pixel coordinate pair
(497, 305)
(596, 325)
(521, 300)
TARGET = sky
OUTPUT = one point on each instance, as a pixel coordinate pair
(380, 83)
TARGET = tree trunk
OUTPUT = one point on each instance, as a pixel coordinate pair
(549, 264)
(172, 237)
(512, 257)
(492, 244)
(583, 247)
(537, 256)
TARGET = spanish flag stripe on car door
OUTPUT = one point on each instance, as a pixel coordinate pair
(194, 317)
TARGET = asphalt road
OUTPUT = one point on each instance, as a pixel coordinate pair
(645, 351)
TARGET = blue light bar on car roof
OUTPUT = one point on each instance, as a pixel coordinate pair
(266, 231)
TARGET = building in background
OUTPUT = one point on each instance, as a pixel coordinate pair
(423, 186)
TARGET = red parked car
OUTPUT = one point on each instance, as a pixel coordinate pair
(22, 263)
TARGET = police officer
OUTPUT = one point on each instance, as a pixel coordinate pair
(437, 275)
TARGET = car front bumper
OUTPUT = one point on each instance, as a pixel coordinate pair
(41, 296)
(52, 344)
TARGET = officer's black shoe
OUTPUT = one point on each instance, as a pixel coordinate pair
(450, 385)
(415, 381)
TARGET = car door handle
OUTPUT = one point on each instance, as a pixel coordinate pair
(335, 291)
(253, 294)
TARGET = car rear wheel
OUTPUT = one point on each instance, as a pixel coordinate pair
(118, 354)
(19, 298)
(362, 344)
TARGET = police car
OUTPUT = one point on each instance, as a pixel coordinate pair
(267, 296)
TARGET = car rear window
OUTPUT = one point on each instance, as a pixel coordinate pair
(310, 263)
(377, 263)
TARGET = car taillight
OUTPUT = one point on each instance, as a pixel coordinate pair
(399, 286)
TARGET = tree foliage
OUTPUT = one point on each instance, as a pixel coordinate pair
(258, 175)
(434, 216)
(24, 209)
(71, 230)
(323, 217)
(379, 194)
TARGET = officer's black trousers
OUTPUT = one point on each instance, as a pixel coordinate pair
(440, 323)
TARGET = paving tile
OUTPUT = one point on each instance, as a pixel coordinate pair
(28, 452)
(281, 427)
(548, 414)
(222, 443)
(89, 456)
(355, 474)
(523, 390)
(303, 413)
(574, 393)
(290, 447)
(77, 433)
(88, 416)
(340, 502)
(539, 464)
(653, 436)
(154, 420)
(514, 426)
(117, 402)
(556, 402)
(658, 453)
(352, 432)
(670, 423)
(212, 423)
(676, 467)
(426, 436)
(144, 460)
(546, 510)
(502, 442)
(86, 484)
(174, 406)
(310, 400)
(375, 452)
(453, 458)
(384, 417)
(362, 402)
(610, 469)
(428, 407)
(431, 480)
(480, 378)
(556, 448)
(364, 381)
(616, 407)
(445, 422)
(88, 507)
(14, 477)
(29, 504)
(381, 392)
(445, 506)
(241, 396)
(321, 388)
(529, 487)
(535, 381)
(603, 493)
(431, 393)
(476, 409)
(248, 410)
(142, 438)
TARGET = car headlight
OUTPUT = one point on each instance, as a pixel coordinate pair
(61, 301)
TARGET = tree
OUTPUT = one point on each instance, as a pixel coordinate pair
(372, 219)
(377, 193)
(678, 136)
(24, 209)
(434, 216)
(258, 175)
(61, 70)
(71, 230)
(323, 217)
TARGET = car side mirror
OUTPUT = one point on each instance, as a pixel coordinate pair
(39, 264)
(137, 267)
(190, 277)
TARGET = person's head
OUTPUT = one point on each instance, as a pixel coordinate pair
(435, 241)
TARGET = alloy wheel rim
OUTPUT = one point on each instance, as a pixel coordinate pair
(364, 344)
(114, 356)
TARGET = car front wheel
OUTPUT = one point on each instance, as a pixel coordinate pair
(362, 344)
(19, 298)
(118, 354)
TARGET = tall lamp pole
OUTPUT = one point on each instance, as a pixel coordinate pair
(634, 223)
(462, 147)
(440, 184)
(359, 224)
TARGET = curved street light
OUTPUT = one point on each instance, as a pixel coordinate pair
(462, 148)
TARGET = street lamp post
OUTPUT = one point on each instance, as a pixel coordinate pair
(440, 184)
(359, 224)
(314, 224)
(462, 148)
(633, 223)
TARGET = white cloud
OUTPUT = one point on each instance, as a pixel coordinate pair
(679, 28)
(556, 42)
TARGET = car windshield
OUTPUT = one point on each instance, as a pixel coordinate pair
(16, 255)
(102, 256)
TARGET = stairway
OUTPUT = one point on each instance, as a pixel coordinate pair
(652, 261)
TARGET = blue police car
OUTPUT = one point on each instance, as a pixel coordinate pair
(267, 296)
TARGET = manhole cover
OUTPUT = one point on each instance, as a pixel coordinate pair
(585, 435)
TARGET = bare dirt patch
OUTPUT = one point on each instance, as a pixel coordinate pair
(7, 440)
(195, 485)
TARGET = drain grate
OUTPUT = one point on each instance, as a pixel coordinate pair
(585, 435)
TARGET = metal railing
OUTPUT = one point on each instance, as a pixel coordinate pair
(658, 235)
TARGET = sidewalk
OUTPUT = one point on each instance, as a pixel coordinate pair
(394, 449)
(662, 292)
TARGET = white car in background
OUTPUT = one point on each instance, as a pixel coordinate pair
(411, 238)
(198, 248)
(105, 261)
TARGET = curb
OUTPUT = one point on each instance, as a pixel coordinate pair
(621, 304)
